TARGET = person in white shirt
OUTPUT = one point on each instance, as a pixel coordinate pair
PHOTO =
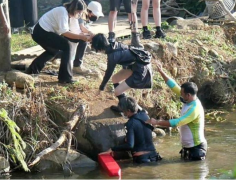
(51, 32)
(94, 11)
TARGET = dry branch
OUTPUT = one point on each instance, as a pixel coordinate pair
(70, 125)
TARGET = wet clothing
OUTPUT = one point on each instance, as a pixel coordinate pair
(192, 121)
(195, 153)
(139, 136)
(120, 54)
(115, 5)
(152, 156)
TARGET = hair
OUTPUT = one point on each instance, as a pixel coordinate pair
(190, 87)
(99, 42)
(128, 104)
(75, 5)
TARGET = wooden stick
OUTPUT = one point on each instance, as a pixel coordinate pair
(70, 125)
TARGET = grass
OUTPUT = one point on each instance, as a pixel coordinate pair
(21, 41)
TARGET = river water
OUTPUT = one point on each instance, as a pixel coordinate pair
(221, 158)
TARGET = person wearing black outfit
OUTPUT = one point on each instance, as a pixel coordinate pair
(50, 33)
(133, 74)
(139, 133)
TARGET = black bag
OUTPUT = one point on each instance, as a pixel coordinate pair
(142, 56)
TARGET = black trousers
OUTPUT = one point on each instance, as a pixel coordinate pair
(53, 44)
(152, 156)
(195, 153)
(80, 51)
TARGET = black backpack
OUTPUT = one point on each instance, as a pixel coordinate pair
(142, 56)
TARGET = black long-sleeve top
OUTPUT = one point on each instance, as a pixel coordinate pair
(119, 54)
(139, 135)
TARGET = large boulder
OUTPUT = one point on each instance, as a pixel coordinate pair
(188, 24)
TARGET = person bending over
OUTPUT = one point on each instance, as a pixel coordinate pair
(50, 33)
(138, 135)
(133, 74)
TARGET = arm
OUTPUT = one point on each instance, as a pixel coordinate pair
(189, 116)
(111, 64)
(71, 35)
(130, 140)
(4, 20)
(170, 82)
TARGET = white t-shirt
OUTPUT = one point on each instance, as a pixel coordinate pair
(56, 20)
(74, 26)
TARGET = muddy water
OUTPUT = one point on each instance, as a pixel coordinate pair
(221, 155)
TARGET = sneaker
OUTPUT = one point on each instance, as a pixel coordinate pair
(147, 34)
(160, 34)
(67, 81)
(81, 70)
(111, 37)
(115, 108)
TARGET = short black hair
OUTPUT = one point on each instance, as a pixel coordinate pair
(99, 42)
(128, 103)
(190, 87)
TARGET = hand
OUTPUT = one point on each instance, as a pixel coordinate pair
(151, 121)
(98, 93)
(109, 151)
(90, 33)
(159, 65)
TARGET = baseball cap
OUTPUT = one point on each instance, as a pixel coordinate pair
(96, 8)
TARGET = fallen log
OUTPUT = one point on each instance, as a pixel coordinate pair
(75, 118)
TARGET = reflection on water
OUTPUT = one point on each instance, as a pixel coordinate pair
(221, 139)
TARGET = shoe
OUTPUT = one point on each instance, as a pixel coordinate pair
(159, 34)
(147, 34)
(115, 108)
(135, 41)
(81, 70)
(67, 81)
(111, 37)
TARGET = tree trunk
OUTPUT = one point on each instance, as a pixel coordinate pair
(5, 45)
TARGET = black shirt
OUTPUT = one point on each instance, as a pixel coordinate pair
(119, 54)
(139, 134)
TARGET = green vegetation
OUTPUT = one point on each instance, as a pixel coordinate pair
(21, 41)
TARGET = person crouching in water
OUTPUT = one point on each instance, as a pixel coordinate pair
(133, 74)
(138, 135)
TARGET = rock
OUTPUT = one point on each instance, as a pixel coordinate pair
(157, 48)
(21, 79)
(4, 165)
(172, 48)
(58, 156)
(188, 24)
(196, 41)
(159, 132)
(174, 71)
(213, 53)
(202, 50)
(83, 161)
(154, 135)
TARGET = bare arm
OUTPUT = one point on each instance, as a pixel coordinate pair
(4, 20)
(162, 73)
(153, 121)
(77, 36)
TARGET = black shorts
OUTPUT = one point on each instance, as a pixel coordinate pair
(195, 153)
(153, 156)
(141, 77)
(115, 5)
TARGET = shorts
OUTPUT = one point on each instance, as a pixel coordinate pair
(153, 156)
(195, 153)
(141, 77)
(115, 5)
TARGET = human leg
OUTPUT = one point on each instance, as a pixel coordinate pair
(114, 8)
(135, 41)
(80, 51)
(144, 18)
(157, 18)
